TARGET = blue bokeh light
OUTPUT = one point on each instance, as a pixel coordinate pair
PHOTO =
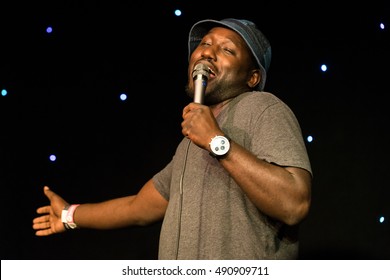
(123, 96)
(178, 12)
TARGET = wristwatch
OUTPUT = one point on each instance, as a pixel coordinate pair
(67, 216)
(220, 146)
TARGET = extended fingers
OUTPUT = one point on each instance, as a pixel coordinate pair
(44, 232)
(43, 210)
(41, 219)
(41, 225)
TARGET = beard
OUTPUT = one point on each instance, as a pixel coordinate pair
(218, 92)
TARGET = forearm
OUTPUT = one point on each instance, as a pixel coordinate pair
(281, 193)
(147, 207)
(109, 214)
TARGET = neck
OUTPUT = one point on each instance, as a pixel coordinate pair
(217, 108)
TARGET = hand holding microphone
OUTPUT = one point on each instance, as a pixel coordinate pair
(198, 121)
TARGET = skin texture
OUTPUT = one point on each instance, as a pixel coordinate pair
(282, 193)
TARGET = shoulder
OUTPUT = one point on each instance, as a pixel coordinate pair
(259, 96)
(260, 99)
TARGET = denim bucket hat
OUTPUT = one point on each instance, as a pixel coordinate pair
(254, 38)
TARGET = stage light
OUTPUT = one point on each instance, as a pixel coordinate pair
(381, 219)
(49, 29)
(123, 96)
(178, 12)
(309, 139)
(324, 68)
(4, 92)
(52, 158)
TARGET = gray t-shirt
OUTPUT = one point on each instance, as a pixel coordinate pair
(208, 215)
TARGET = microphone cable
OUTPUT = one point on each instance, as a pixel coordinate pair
(181, 188)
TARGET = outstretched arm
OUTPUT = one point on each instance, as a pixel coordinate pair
(146, 207)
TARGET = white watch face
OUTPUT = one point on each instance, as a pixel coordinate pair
(220, 145)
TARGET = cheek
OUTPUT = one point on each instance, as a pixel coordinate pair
(197, 53)
(194, 56)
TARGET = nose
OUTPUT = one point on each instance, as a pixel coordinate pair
(208, 53)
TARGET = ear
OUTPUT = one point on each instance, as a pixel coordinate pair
(254, 78)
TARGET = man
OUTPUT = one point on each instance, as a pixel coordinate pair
(239, 182)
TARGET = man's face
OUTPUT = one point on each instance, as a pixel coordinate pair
(229, 60)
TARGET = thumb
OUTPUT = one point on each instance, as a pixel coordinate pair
(54, 197)
(48, 192)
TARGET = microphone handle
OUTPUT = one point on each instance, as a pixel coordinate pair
(200, 83)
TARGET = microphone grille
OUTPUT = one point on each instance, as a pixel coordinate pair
(200, 69)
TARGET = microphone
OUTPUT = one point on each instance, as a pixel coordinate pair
(200, 75)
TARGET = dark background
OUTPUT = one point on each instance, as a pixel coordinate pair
(63, 99)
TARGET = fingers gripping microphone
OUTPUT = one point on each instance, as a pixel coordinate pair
(200, 74)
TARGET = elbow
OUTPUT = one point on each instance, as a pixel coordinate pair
(297, 214)
(299, 204)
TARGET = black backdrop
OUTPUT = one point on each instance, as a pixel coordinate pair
(63, 99)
